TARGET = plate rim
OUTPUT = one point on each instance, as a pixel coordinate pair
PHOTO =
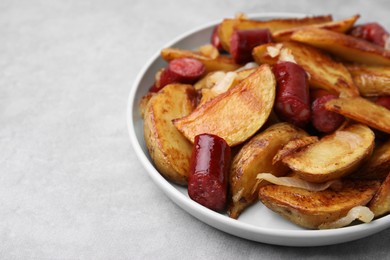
(223, 222)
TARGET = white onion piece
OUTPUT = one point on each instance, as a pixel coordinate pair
(274, 51)
(359, 212)
(286, 55)
(249, 65)
(353, 139)
(225, 83)
(297, 183)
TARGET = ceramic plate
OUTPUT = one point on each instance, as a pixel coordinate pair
(257, 223)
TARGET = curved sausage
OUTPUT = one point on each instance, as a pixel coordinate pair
(242, 43)
(292, 102)
(210, 161)
(372, 32)
(323, 120)
(182, 70)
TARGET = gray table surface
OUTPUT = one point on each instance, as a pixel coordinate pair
(71, 186)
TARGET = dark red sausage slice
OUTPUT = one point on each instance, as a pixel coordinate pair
(384, 101)
(323, 120)
(215, 40)
(210, 162)
(242, 43)
(372, 32)
(182, 70)
(292, 102)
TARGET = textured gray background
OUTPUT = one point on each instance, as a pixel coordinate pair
(70, 184)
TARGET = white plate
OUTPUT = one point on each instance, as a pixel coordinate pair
(257, 223)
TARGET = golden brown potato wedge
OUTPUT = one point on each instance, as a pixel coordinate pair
(363, 111)
(344, 46)
(223, 63)
(380, 204)
(311, 209)
(324, 72)
(294, 146)
(340, 26)
(334, 156)
(227, 26)
(378, 165)
(255, 157)
(168, 148)
(372, 81)
(234, 115)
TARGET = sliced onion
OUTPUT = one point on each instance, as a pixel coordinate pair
(249, 65)
(274, 51)
(225, 83)
(362, 213)
(298, 183)
(353, 139)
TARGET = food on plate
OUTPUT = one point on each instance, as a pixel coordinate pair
(254, 157)
(340, 26)
(362, 110)
(169, 150)
(292, 101)
(324, 72)
(372, 32)
(311, 209)
(243, 41)
(291, 113)
(236, 114)
(380, 204)
(223, 63)
(377, 166)
(372, 81)
(228, 26)
(344, 46)
(181, 70)
(208, 178)
(334, 155)
(323, 120)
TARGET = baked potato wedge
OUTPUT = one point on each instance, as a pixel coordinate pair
(380, 204)
(344, 46)
(312, 209)
(325, 73)
(168, 148)
(378, 165)
(363, 111)
(334, 156)
(254, 157)
(236, 114)
(227, 26)
(372, 81)
(340, 26)
(294, 146)
(223, 63)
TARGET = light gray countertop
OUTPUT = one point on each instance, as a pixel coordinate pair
(71, 186)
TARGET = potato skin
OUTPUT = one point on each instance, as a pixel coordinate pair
(256, 157)
(310, 209)
(168, 148)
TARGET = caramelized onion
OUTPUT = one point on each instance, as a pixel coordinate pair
(362, 213)
(298, 183)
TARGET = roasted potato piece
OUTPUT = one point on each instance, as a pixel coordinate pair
(334, 156)
(378, 165)
(223, 63)
(255, 157)
(344, 46)
(311, 209)
(325, 73)
(294, 146)
(372, 81)
(363, 111)
(236, 114)
(340, 26)
(168, 148)
(227, 26)
(380, 204)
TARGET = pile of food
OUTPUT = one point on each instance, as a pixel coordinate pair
(290, 112)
